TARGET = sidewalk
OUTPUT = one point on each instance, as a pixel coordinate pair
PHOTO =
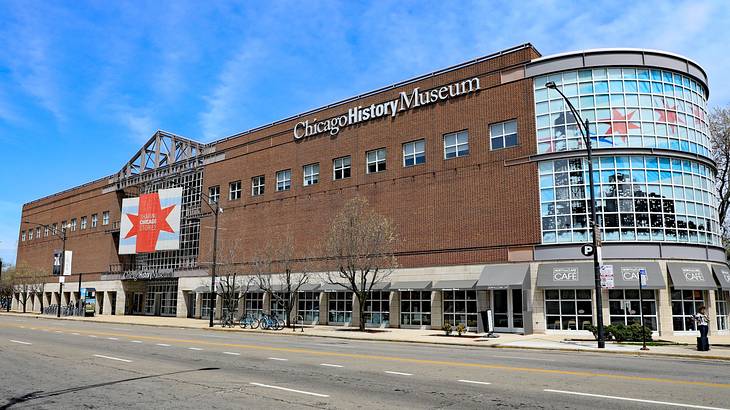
(720, 351)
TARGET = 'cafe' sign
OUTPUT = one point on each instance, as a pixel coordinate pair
(693, 275)
(565, 274)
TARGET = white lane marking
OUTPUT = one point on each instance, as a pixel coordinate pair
(330, 365)
(58, 331)
(474, 382)
(163, 345)
(112, 338)
(136, 341)
(93, 336)
(113, 358)
(291, 390)
(32, 328)
(22, 327)
(19, 342)
(399, 373)
(666, 403)
(333, 345)
(75, 334)
(195, 348)
(232, 353)
(524, 358)
(279, 359)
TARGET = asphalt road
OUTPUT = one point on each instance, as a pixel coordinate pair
(49, 364)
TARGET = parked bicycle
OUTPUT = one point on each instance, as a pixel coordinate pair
(228, 319)
(271, 322)
(248, 320)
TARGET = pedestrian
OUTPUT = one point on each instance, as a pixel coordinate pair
(703, 322)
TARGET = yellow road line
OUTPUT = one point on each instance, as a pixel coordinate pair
(404, 359)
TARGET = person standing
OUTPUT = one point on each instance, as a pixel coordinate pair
(703, 322)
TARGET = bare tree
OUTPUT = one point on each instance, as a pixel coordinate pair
(7, 286)
(360, 246)
(719, 120)
(235, 279)
(24, 284)
(281, 275)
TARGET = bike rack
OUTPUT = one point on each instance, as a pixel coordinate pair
(297, 319)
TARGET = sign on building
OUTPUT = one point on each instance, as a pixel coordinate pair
(151, 222)
(607, 279)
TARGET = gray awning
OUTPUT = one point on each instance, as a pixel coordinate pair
(626, 275)
(381, 286)
(503, 276)
(565, 276)
(411, 285)
(455, 284)
(201, 289)
(330, 287)
(691, 276)
(309, 287)
(722, 273)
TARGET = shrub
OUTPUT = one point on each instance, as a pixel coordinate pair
(635, 332)
(460, 328)
(446, 328)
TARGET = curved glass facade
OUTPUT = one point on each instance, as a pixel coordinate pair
(639, 198)
(627, 107)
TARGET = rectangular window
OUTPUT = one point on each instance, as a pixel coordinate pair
(341, 167)
(414, 153)
(257, 185)
(64, 226)
(73, 224)
(375, 160)
(460, 307)
(278, 304)
(45, 231)
(377, 308)
(721, 311)
(22, 236)
(54, 229)
(37, 233)
(568, 309)
(309, 307)
(254, 304)
(283, 180)
(456, 144)
(94, 220)
(83, 222)
(234, 190)
(685, 304)
(214, 194)
(311, 174)
(503, 134)
(624, 307)
(415, 308)
(340, 307)
(105, 218)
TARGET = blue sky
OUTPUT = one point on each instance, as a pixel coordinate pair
(84, 84)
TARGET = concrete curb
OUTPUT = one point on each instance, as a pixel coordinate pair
(445, 343)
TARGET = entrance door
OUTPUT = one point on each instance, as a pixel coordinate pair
(507, 310)
(137, 299)
(158, 304)
(191, 304)
(100, 302)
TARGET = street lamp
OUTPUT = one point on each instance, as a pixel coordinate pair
(63, 237)
(584, 127)
(216, 211)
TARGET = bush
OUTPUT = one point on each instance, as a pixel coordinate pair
(447, 329)
(460, 328)
(622, 333)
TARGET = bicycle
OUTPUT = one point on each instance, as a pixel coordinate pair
(228, 320)
(271, 322)
(248, 320)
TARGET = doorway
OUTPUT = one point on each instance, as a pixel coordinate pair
(507, 310)
(137, 303)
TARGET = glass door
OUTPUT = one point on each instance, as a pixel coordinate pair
(507, 310)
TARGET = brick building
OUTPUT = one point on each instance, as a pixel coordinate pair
(480, 167)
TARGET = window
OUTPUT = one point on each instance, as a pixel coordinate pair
(503, 134)
(278, 304)
(721, 309)
(73, 224)
(205, 305)
(214, 194)
(83, 222)
(64, 226)
(568, 309)
(30, 234)
(309, 307)
(164, 291)
(460, 307)
(54, 229)
(257, 185)
(105, 218)
(45, 231)
(94, 220)
(624, 307)
(341, 167)
(22, 236)
(254, 303)
(283, 180)
(377, 308)
(38, 232)
(340, 307)
(234, 190)
(311, 174)
(375, 160)
(415, 308)
(684, 306)
(456, 144)
(414, 153)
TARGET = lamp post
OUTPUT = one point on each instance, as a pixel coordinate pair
(63, 237)
(584, 127)
(216, 211)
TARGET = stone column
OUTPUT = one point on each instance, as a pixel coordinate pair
(606, 308)
(539, 324)
(107, 301)
(182, 303)
(394, 303)
(198, 305)
(483, 303)
(437, 309)
(355, 312)
(323, 308)
(711, 310)
(218, 307)
(121, 309)
(267, 303)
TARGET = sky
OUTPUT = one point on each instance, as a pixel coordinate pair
(84, 84)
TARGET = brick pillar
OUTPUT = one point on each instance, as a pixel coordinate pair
(323, 308)
(437, 310)
(355, 312)
(394, 303)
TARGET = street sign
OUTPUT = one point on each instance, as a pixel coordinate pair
(587, 249)
(642, 278)
(61, 279)
(607, 279)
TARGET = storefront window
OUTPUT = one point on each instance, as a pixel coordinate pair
(685, 304)
(254, 303)
(309, 306)
(721, 309)
(161, 299)
(415, 308)
(340, 307)
(278, 305)
(568, 309)
(377, 308)
(205, 305)
(624, 307)
(460, 307)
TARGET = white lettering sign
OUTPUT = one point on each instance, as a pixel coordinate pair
(405, 101)
(693, 275)
(565, 274)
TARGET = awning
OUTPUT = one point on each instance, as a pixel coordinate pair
(565, 276)
(690, 276)
(503, 276)
(381, 286)
(332, 287)
(310, 287)
(411, 285)
(201, 289)
(455, 284)
(722, 273)
(626, 275)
